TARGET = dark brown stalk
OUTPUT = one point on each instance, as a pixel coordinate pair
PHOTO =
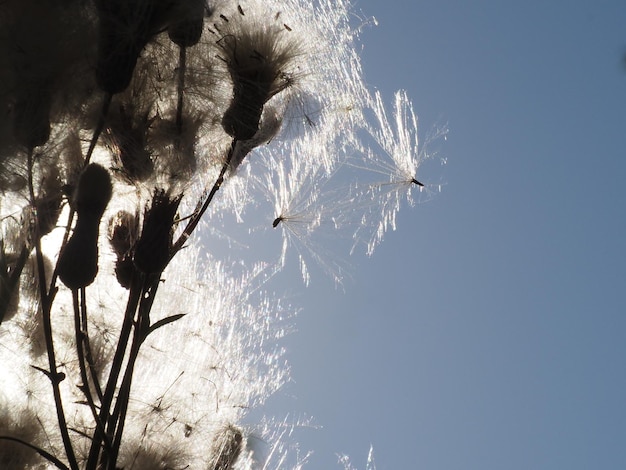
(87, 345)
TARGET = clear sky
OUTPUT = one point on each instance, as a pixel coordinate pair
(489, 330)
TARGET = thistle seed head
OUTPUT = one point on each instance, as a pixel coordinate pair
(78, 263)
(152, 251)
(126, 26)
(127, 137)
(258, 60)
(227, 448)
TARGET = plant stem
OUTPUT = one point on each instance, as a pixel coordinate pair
(203, 204)
(81, 340)
(46, 306)
(115, 427)
(180, 89)
(134, 296)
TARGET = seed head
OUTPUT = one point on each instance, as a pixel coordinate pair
(152, 251)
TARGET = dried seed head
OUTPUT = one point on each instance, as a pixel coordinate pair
(152, 251)
(126, 26)
(48, 204)
(257, 60)
(48, 210)
(270, 124)
(127, 136)
(227, 449)
(123, 231)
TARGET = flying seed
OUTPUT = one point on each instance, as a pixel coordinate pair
(277, 220)
(414, 181)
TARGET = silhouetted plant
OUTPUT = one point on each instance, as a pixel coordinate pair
(127, 128)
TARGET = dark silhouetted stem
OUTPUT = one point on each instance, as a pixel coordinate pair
(46, 306)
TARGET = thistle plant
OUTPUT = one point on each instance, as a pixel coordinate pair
(131, 131)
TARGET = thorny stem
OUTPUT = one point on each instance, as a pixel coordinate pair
(203, 204)
(46, 306)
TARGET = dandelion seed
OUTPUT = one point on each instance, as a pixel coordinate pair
(304, 210)
(395, 158)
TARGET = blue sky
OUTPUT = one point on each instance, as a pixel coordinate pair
(489, 330)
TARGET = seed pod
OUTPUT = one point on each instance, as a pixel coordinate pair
(124, 270)
(48, 211)
(78, 263)
(152, 251)
(122, 232)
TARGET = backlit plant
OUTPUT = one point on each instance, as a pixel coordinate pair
(128, 129)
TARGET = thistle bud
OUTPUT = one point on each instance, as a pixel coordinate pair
(123, 231)
(78, 264)
(186, 31)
